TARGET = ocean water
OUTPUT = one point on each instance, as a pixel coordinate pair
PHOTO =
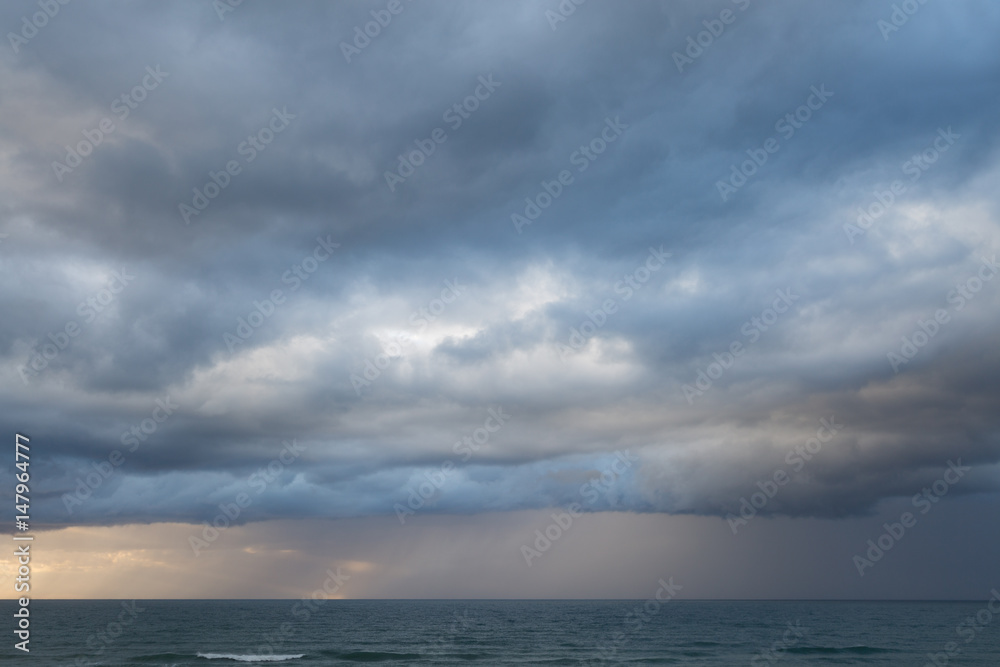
(475, 632)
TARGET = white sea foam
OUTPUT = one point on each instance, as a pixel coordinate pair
(249, 658)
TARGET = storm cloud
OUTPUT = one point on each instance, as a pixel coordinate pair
(696, 232)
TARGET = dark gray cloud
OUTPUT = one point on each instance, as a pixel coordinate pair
(377, 370)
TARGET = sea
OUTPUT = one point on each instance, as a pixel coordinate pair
(216, 633)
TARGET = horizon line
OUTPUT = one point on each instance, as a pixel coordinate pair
(295, 599)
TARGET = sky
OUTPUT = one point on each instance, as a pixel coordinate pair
(432, 291)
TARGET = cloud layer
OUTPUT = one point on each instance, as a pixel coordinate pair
(695, 232)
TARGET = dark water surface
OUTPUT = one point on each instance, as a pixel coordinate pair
(501, 632)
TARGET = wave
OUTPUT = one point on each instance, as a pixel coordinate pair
(375, 656)
(160, 657)
(249, 657)
(859, 650)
